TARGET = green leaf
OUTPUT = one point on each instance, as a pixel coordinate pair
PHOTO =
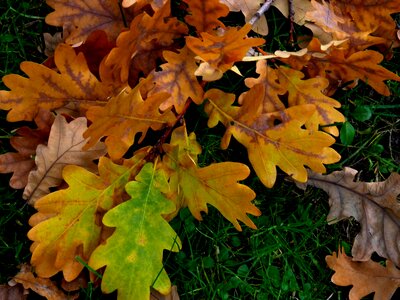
(362, 113)
(133, 254)
(347, 133)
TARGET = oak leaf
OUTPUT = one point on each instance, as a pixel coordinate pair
(146, 33)
(155, 4)
(216, 184)
(221, 52)
(300, 91)
(177, 78)
(123, 117)
(25, 142)
(365, 277)
(285, 145)
(340, 66)
(48, 89)
(204, 14)
(64, 148)
(87, 16)
(372, 204)
(333, 19)
(140, 237)
(42, 286)
(68, 221)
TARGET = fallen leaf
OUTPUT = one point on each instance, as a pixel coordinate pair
(286, 145)
(204, 15)
(177, 78)
(48, 89)
(123, 117)
(25, 142)
(372, 204)
(64, 148)
(366, 277)
(15, 292)
(141, 254)
(217, 184)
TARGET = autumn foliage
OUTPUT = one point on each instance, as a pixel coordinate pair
(130, 71)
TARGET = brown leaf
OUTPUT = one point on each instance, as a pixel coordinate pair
(365, 277)
(86, 16)
(146, 33)
(42, 286)
(372, 204)
(25, 142)
(15, 292)
(64, 148)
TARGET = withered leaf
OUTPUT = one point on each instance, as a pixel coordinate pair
(372, 204)
(366, 277)
(64, 148)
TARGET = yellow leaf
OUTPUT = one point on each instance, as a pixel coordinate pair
(285, 145)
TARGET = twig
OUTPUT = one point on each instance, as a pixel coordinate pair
(261, 11)
(291, 20)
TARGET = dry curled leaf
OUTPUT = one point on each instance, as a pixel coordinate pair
(372, 204)
(366, 277)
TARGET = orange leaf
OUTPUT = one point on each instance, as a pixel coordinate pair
(25, 142)
(204, 14)
(177, 78)
(221, 52)
(64, 148)
(216, 184)
(146, 33)
(48, 89)
(123, 117)
(340, 65)
(365, 277)
(87, 16)
(285, 145)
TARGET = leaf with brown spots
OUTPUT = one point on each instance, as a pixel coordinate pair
(217, 184)
(64, 148)
(86, 17)
(146, 33)
(25, 142)
(123, 117)
(149, 233)
(177, 78)
(68, 222)
(365, 277)
(48, 89)
(219, 53)
(279, 81)
(204, 14)
(285, 145)
(372, 204)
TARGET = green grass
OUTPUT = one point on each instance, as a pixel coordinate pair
(284, 257)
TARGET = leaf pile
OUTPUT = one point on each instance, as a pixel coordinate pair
(104, 194)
